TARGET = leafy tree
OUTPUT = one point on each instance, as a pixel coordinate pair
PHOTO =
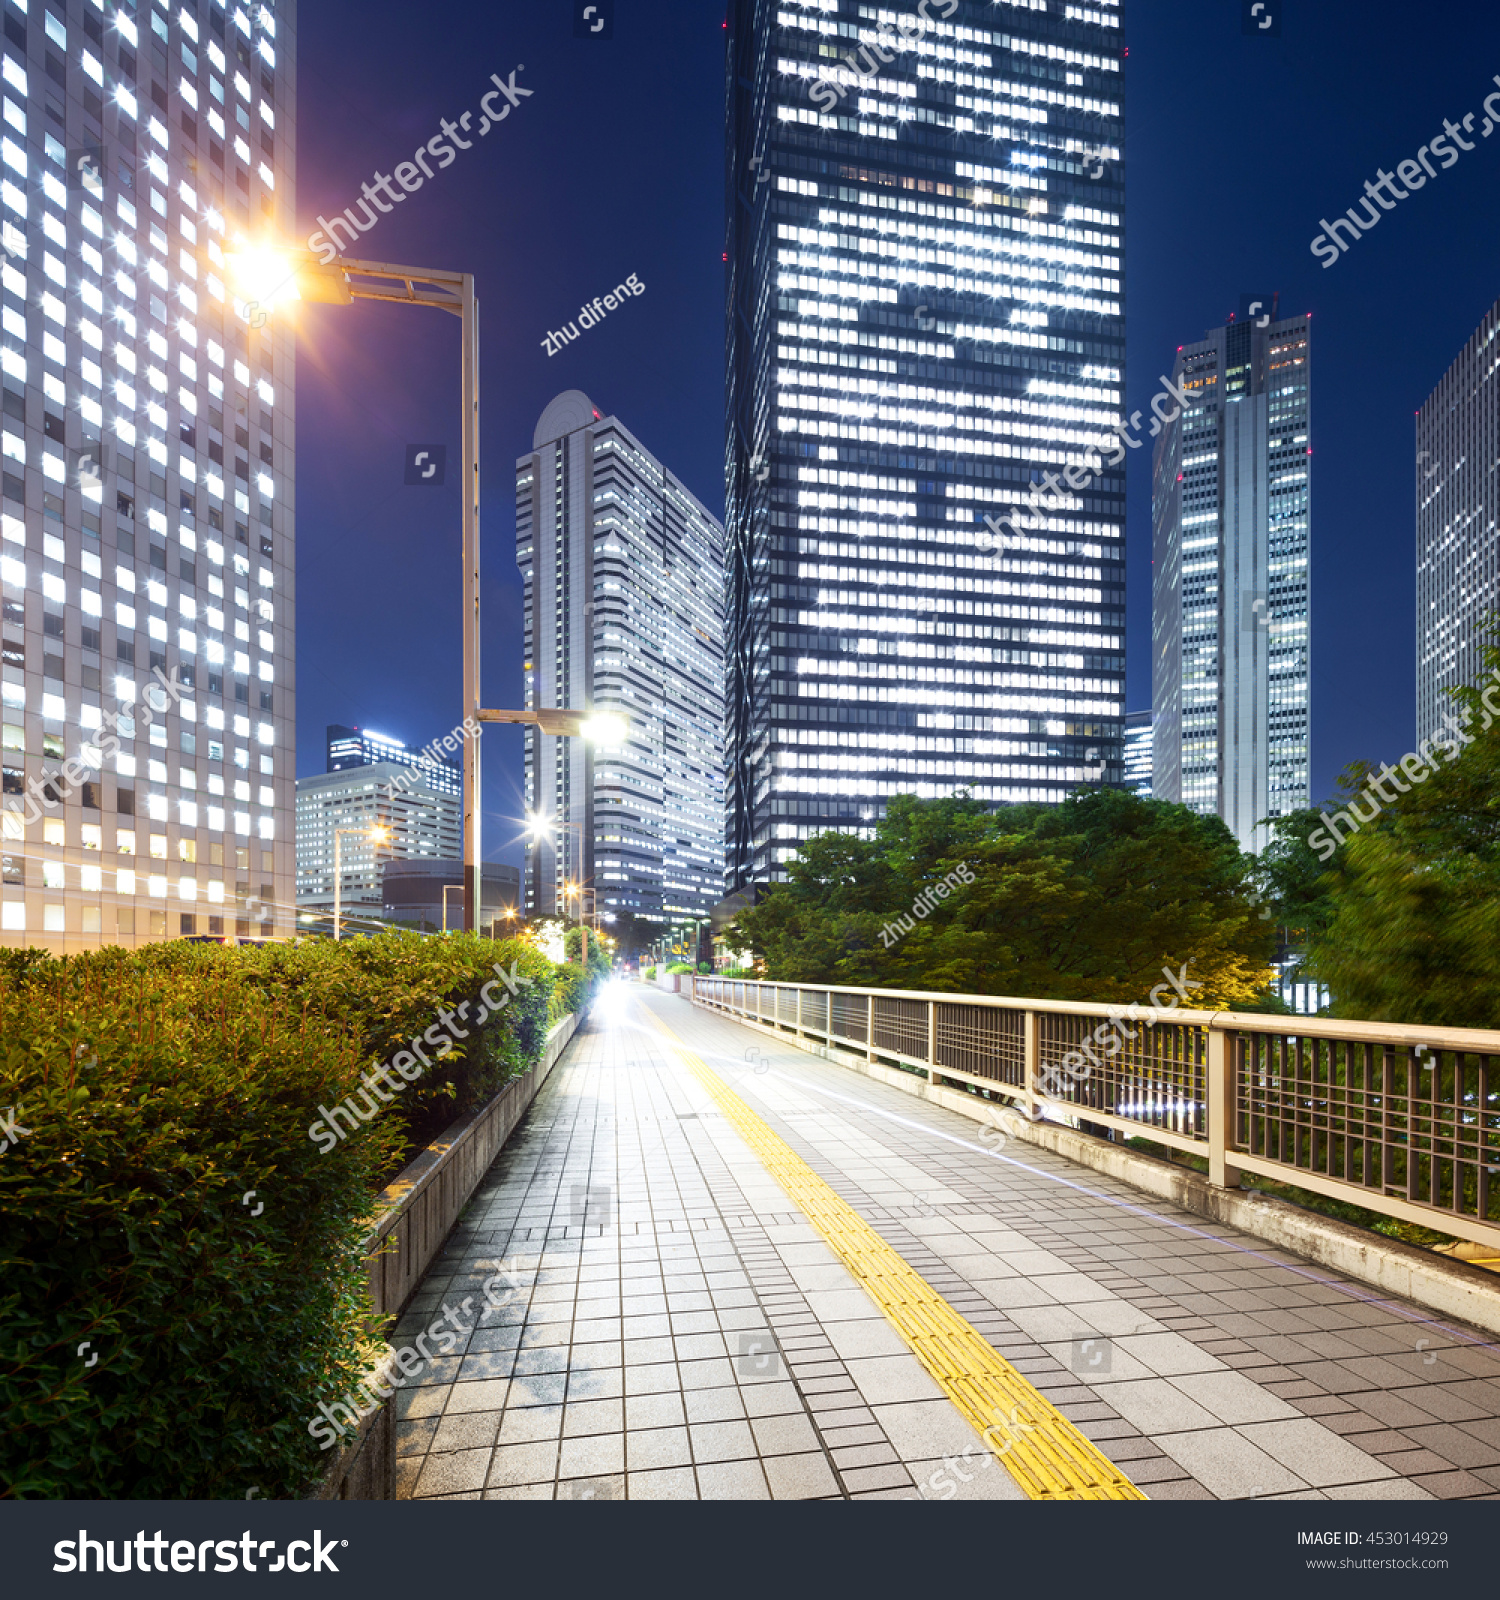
(1413, 931)
(1085, 900)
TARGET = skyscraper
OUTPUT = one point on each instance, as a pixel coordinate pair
(1458, 524)
(624, 579)
(1231, 578)
(1137, 776)
(148, 468)
(923, 317)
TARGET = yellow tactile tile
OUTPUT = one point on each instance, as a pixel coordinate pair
(1045, 1454)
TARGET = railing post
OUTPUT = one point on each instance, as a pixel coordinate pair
(1221, 1170)
(932, 1041)
(799, 1013)
(870, 1030)
(1032, 1061)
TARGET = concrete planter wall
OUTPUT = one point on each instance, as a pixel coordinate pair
(415, 1214)
(670, 981)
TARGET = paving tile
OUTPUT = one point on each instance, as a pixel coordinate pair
(451, 1474)
(799, 1477)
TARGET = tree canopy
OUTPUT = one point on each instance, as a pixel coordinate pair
(1087, 900)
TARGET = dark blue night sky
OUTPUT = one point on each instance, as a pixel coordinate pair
(1237, 148)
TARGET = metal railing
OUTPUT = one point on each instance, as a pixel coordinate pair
(1404, 1121)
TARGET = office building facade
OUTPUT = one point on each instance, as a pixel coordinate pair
(923, 320)
(429, 896)
(349, 748)
(624, 612)
(421, 823)
(1458, 534)
(1231, 578)
(148, 471)
(1137, 773)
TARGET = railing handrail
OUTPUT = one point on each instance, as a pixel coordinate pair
(1483, 1041)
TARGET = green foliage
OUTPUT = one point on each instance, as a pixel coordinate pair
(1085, 900)
(1413, 927)
(649, 974)
(160, 1087)
(680, 967)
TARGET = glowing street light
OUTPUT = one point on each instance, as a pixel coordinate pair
(376, 834)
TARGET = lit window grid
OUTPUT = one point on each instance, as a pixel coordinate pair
(74, 589)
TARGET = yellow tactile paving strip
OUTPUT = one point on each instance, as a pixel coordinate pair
(1045, 1454)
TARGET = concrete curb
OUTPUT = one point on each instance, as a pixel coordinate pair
(1467, 1294)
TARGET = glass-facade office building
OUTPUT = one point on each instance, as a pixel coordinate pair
(1231, 578)
(1458, 524)
(148, 470)
(624, 612)
(923, 318)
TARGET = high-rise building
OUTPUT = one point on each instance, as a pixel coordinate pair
(421, 823)
(1458, 525)
(624, 609)
(349, 748)
(923, 318)
(1231, 577)
(1137, 777)
(148, 435)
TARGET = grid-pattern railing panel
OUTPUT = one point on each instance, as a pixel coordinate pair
(984, 1041)
(901, 1026)
(1411, 1130)
(1397, 1120)
(851, 1016)
(1155, 1076)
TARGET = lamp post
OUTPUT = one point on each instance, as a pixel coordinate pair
(267, 275)
(448, 889)
(376, 835)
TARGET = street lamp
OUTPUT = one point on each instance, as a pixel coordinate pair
(448, 889)
(376, 835)
(265, 276)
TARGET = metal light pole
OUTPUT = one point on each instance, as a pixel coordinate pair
(273, 274)
(448, 889)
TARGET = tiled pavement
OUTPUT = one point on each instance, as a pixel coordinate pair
(682, 1332)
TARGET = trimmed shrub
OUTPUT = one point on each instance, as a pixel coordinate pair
(181, 1271)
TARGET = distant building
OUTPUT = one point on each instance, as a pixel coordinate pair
(424, 825)
(1458, 523)
(360, 747)
(413, 893)
(624, 574)
(1138, 754)
(1231, 578)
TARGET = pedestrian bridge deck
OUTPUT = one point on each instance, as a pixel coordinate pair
(686, 1329)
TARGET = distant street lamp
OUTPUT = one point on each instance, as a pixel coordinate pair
(376, 835)
(448, 889)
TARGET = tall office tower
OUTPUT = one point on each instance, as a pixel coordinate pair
(421, 823)
(1231, 582)
(349, 748)
(1458, 525)
(624, 573)
(148, 469)
(1137, 777)
(923, 319)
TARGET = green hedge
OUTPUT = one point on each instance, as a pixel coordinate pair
(159, 1088)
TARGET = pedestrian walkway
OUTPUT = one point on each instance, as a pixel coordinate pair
(687, 1328)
